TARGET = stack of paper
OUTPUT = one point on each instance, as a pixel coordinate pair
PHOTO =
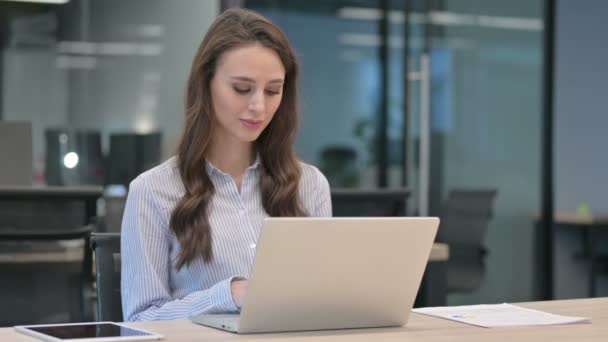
(499, 315)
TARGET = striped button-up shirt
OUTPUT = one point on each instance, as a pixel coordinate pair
(152, 287)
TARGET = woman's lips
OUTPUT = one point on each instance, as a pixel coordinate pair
(251, 124)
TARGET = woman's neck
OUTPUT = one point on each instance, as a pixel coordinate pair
(232, 158)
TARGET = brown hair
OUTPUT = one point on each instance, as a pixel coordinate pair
(280, 168)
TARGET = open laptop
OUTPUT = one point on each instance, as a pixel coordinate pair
(332, 273)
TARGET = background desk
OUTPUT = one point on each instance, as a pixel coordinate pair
(73, 252)
(43, 234)
(440, 252)
(419, 328)
(589, 224)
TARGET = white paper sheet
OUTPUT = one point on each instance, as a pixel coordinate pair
(499, 316)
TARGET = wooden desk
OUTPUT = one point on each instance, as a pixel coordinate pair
(419, 328)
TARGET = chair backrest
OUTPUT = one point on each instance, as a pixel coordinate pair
(377, 202)
(339, 165)
(466, 216)
(106, 248)
(33, 244)
(115, 207)
(464, 223)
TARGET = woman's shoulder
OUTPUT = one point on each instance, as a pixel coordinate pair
(315, 193)
(312, 176)
(165, 171)
(163, 179)
(153, 195)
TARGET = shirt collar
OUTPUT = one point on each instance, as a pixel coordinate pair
(256, 162)
(212, 168)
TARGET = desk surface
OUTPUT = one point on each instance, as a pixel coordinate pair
(581, 219)
(419, 328)
(70, 254)
(53, 192)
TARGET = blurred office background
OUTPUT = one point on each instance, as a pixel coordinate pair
(440, 97)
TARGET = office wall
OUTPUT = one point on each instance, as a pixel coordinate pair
(581, 122)
(134, 80)
(143, 91)
(581, 112)
(36, 91)
(335, 91)
(341, 88)
(491, 130)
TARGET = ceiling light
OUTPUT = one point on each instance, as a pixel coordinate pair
(70, 160)
(56, 2)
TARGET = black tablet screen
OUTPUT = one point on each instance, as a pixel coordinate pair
(88, 331)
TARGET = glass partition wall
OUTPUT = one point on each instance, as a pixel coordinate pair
(436, 96)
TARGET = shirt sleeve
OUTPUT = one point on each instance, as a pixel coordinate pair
(146, 266)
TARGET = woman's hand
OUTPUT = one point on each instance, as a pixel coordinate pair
(238, 289)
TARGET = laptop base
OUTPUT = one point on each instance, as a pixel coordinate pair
(228, 322)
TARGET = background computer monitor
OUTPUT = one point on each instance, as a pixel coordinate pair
(15, 153)
(132, 154)
(86, 145)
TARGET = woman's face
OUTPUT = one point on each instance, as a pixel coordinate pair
(247, 89)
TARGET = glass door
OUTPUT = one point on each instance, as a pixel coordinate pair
(473, 123)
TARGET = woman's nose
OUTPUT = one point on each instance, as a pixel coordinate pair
(257, 102)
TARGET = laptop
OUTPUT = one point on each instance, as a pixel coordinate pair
(332, 273)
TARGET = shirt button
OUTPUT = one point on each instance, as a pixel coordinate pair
(252, 245)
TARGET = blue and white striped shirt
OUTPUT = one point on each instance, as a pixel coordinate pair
(152, 288)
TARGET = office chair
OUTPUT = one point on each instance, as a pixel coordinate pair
(463, 225)
(22, 235)
(106, 249)
(114, 210)
(49, 215)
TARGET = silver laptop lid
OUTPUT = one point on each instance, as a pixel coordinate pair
(335, 273)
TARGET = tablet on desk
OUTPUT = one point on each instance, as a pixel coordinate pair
(87, 332)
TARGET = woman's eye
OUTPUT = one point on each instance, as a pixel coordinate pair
(241, 90)
(273, 92)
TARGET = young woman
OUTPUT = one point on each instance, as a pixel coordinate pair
(191, 224)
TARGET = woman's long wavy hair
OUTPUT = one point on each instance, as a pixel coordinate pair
(280, 168)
